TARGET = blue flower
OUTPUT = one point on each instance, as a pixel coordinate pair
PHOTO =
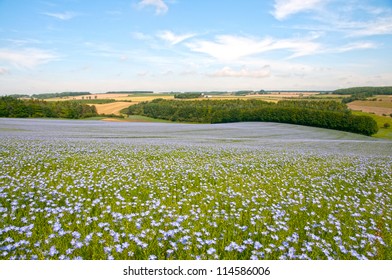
(53, 251)
(211, 251)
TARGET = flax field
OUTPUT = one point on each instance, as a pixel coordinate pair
(94, 190)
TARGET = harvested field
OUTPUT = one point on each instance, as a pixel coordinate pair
(379, 107)
(112, 108)
(116, 107)
(113, 120)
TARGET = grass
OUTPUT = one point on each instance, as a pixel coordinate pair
(384, 133)
(137, 118)
(94, 118)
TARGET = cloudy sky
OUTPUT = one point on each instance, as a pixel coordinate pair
(189, 45)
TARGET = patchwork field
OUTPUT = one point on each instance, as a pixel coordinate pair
(122, 101)
(115, 96)
(382, 105)
(100, 190)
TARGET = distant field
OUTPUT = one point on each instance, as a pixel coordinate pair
(121, 99)
(112, 108)
(148, 97)
(382, 105)
(115, 96)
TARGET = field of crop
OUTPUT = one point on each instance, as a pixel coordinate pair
(99, 190)
(381, 105)
(112, 108)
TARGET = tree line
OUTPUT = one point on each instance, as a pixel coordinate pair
(187, 95)
(325, 114)
(132, 92)
(33, 108)
(59, 94)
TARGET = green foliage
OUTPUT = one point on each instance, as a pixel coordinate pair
(387, 125)
(15, 108)
(187, 95)
(60, 94)
(243, 92)
(365, 90)
(325, 114)
(19, 95)
(361, 93)
(327, 105)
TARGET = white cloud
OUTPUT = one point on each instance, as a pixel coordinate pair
(264, 72)
(299, 47)
(356, 46)
(159, 5)
(173, 39)
(350, 18)
(27, 58)
(61, 16)
(285, 8)
(3, 71)
(381, 26)
(229, 47)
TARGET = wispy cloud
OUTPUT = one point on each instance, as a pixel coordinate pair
(355, 46)
(27, 58)
(230, 47)
(62, 16)
(159, 5)
(342, 17)
(264, 72)
(285, 8)
(172, 38)
(23, 42)
(380, 26)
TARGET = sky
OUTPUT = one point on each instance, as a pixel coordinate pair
(193, 45)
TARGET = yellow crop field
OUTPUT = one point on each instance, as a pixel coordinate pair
(112, 108)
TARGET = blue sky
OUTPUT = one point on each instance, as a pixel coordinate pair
(192, 45)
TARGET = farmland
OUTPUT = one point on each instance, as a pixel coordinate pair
(119, 101)
(380, 105)
(112, 108)
(98, 190)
